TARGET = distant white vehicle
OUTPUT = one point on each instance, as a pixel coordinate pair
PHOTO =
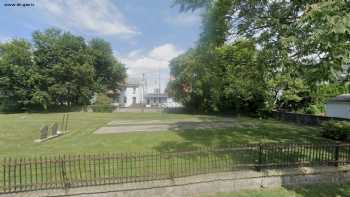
(171, 105)
(115, 104)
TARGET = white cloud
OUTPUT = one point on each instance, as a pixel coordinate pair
(135, 53)
(184, 19)
(96, 16)
(139, 62)
(164, 52)
(151, 62)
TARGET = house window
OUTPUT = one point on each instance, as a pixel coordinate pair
(134, 90)
(133, 100)
(125, 99)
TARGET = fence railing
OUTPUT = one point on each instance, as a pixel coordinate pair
(69, 171)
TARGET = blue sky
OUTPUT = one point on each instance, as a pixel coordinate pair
(144, 34)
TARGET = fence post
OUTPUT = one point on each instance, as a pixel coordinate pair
(260, 156)
(336, 154)
(65, 182)
(4, 173)
(171, 166)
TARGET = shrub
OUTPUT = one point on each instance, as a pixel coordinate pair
(337, 130)
(9, 106)
(313, 109)
(103, 108)
(102, 104)
(103, 99)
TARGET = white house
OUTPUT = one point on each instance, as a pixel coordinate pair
(339, 106)
(133, 93)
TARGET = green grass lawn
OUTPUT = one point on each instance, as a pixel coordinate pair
(324, 190)
(18, 132)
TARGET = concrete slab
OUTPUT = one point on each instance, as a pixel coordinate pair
(167, 121)
(151, 127)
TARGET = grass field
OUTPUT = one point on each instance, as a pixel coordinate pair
(306, 191)
(18, 132)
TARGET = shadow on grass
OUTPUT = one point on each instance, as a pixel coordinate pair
(241, 131)
(322, 190)
(238, 143)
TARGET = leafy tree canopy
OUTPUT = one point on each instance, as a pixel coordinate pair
(109, 73)
(58, 69)
(16, 74)
(299, 47)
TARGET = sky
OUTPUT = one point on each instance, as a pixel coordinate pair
(145, 34)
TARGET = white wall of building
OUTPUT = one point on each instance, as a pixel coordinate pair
(133, 95)
(338, 109)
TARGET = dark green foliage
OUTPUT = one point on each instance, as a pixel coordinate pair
(103, 104)
(313, 109)
(215, 24)
(59, 71)
(226, 79)
(17, 77)
(298, 59)
(109, 73)
(242, 77)
(63, 61)
(7, 105)
(103, 108)
(337, 130)
(103, 99)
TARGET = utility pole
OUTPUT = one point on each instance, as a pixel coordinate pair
(158, 85)
(143, 89)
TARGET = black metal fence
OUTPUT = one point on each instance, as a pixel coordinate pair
(68, 171)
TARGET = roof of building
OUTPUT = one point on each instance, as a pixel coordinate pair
(340, 98)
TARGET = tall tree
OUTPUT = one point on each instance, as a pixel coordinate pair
(66, 66)
(109, 73)
(16, 74)
(59, 69)
(243, 85)
(301, 44)
(226, 78)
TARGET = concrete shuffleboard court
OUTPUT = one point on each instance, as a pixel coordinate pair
(164, 125)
